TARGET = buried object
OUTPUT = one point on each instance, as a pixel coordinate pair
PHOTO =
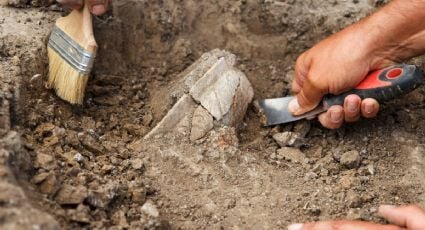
(382, 85)
(213, 93)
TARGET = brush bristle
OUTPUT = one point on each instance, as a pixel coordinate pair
(68, 83)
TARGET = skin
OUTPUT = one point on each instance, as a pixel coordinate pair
(401, 218)
(337, 64)
(97, 7)
(393, 34)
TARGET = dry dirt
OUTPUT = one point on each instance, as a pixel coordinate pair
(65, 167)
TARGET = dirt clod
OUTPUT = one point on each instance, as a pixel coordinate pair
(351, 159)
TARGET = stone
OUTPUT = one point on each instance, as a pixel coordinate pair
(286, 138)
(354, 214)
(212, 83)
(176, 119)
(50, 185)
(216, 89)
(102, 197)
(119, 219)
(137, 164)
(71, 195)
(302, 128)
(351, 159)
(201, 66)
(81, 214)
(202, 123)
(90, 143)
(310, 176)
(44, 161)
(12, 142)
(150, 209)
(290, 154)
(353, 200)
(138, 195)
(243, 96)
(37, 179)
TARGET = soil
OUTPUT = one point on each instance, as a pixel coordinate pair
(89, 166)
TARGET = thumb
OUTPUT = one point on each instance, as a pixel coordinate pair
(411, 217)
(306, 99)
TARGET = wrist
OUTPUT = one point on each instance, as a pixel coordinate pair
(394, 34)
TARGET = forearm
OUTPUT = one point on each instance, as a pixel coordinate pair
(397, 31)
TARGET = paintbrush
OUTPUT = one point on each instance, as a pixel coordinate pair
(71, 50)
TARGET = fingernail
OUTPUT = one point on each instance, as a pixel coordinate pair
(336, 116)
(293, 106)
(295, 227)
(352, 107)
(98, 9)
(369, 108)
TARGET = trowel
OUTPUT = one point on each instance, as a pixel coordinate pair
(382, 85)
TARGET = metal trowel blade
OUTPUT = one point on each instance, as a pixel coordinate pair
(275, 111)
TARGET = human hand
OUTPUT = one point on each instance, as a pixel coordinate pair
(338, 63)
(97, 7)
(335, 65)
(401, 218)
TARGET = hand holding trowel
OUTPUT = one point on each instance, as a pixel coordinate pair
(381, 85)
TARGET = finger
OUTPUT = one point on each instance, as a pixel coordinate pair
(98, 7)
(307, 99)
(333, 118)
(369, 108)
(73, 4)
(300, 73)
(411, 217)
(342, 225)
(352, 105)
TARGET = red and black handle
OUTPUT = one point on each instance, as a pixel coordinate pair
(383, 85)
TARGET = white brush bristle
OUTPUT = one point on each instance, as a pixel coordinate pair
(68, 83)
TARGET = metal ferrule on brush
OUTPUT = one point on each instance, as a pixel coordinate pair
(75, 55)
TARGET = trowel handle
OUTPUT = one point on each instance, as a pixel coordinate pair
(383, 85)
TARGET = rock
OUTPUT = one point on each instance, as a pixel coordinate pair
(70, 157)
(150, 209)
(50, 185)
(302, 128)
(350, 159)
(90, 143)
(353, 200)
(202, 123)
(310, 176)
(137, 164)
(80, 214)
(314, 211)
(243, 96)
(216, 90)
(71, 195)
(354, 214)
(286, 138)
(138, 195)
(214, 83)
(290, 154)
(37, 179)
(12, 142)
(101, 198)
(44, 161)
(119, 219)
(177, 119)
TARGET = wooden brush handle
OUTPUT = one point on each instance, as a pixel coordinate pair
(79, 26)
